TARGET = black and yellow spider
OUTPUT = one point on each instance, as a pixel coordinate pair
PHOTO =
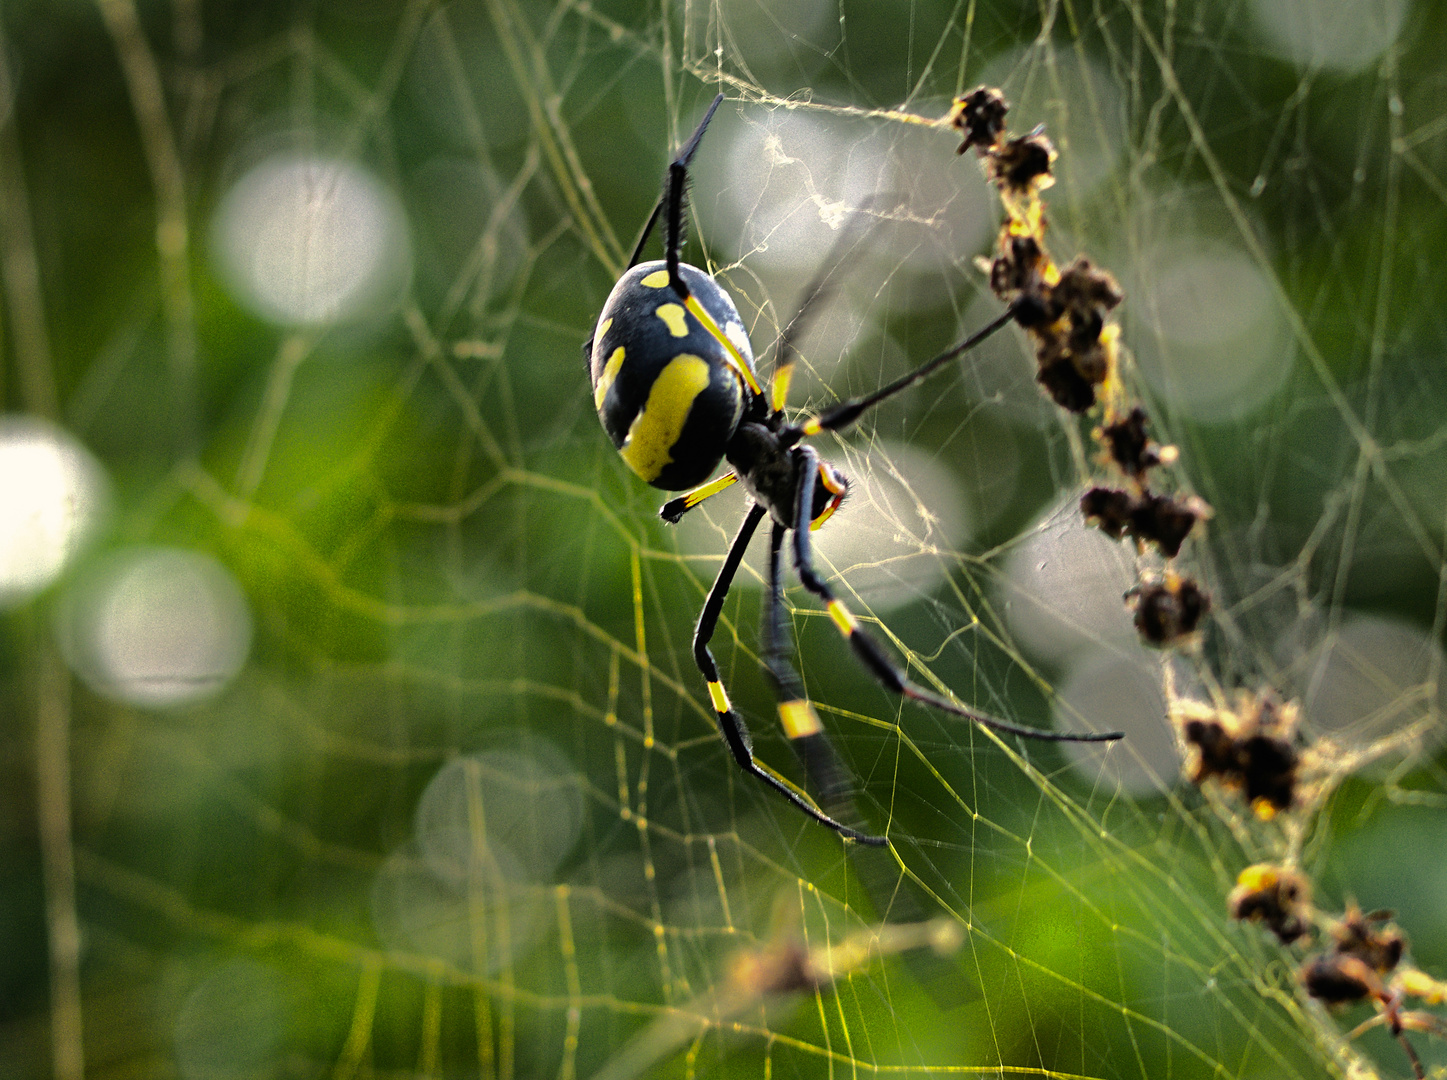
(674, 385)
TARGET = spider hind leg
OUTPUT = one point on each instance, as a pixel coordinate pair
(731, 726)
(828, 776)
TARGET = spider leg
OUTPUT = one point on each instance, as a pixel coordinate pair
(673, 201)
(818, 291)
(643, 235)
(677, 176)
(846, 412)
(730, 724)
(673, 510)
(671, 206)
(827, 774)
(890, 675)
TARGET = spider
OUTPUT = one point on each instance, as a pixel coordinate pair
(674, 385)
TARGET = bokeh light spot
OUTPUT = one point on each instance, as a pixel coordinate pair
(1063, 586)
(1328, 33)
(1372, 676)
(156, 627)
(52, 496)
(232, 1024)
(893, 538)
(457, 921)
(527, 800)
(490, 829)
(309, 240)
(1119, 689)
(1208, 333)
(788, 181)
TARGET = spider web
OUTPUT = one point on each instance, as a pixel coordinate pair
(463, 811)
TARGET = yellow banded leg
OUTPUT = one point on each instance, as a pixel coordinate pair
(720, 697)
(731, 726)
(865, 648)
(830, 782)
(869, 653)
(674, 509)
(799, 719)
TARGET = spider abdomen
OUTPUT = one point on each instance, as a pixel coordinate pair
(668, 391)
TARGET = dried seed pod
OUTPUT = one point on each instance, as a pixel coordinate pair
(1278, 897)
(1168, 612)
(980, 117)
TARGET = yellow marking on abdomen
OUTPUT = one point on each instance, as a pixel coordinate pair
(672, 314)
(604, 328)
(656, 280)
(842, 619)
(799, 719)
(657, 427)
(605, 380)
(719, 695)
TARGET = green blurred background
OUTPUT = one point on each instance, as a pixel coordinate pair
(350, 723)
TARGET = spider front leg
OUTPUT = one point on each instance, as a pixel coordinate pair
(816, 296)
(845, 413)
(730, 724)
(889, 674)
